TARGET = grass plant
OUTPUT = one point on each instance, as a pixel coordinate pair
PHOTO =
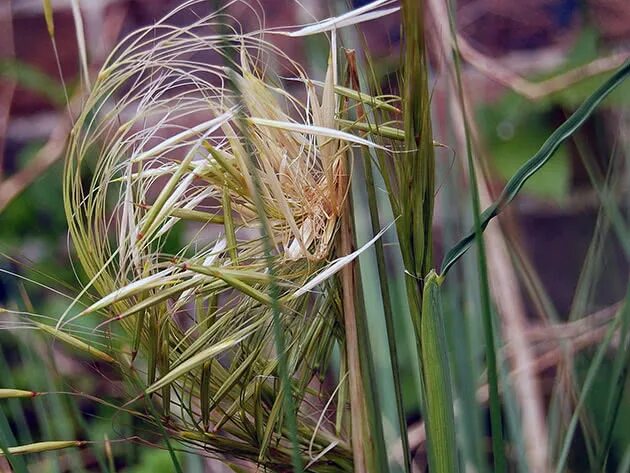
(228, 342)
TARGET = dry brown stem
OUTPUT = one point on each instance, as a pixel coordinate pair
(357, 398)
(537, 90)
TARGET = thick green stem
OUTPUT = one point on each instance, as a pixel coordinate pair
(437, 381)
(416, 182)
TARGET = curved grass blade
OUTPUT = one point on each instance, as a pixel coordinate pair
(536, 162)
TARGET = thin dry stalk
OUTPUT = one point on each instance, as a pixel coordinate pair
(43, 159)
(550, 333)
(532, 90)
(357, 398)
(55, 146)
(7, 86)
(508, 298)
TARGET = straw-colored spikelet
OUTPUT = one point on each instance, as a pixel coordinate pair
(6, 393)
(40, 447)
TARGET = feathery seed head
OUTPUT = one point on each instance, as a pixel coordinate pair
(191, 125)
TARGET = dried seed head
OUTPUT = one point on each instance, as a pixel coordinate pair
(175, 124)
(163, 124)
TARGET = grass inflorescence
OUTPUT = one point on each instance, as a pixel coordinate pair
(221, 337)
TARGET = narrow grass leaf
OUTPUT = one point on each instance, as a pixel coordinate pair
(382, 271)
(30, 77)
(536, 162)
(6, 437)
